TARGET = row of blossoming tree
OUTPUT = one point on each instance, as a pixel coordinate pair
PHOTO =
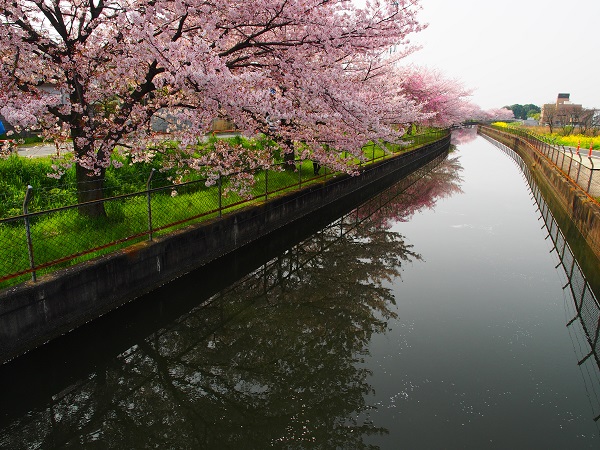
(99, 72)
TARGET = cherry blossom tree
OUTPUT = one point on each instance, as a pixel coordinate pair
(497, 114)
(446, 100)
(99, 72)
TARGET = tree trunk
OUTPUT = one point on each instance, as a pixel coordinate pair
(90, 188)
(289, 158)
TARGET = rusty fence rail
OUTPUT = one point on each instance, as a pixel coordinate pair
(580, 167)
(38, 242)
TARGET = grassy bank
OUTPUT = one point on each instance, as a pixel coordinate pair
(64, 237)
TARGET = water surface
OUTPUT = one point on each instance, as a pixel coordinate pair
(430, 317)
(480, 355)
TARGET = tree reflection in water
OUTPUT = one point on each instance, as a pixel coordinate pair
(272, 361)
(464, 135)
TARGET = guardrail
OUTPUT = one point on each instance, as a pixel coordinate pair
(44, 241)
(583, 170)
(584, 301)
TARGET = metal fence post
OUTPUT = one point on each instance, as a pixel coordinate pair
(220, 183)
(591, 175)
(148, 195)
(28, 230)
(570, 161)
(266, 184)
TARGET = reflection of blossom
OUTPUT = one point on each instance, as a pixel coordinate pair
(463, 136)
(271, 361)
(420, 190)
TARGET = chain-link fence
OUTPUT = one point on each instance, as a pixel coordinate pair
(37, 242)
(579, 166)
(584, 300)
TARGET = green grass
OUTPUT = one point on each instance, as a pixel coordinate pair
(61, 234)
(66, 232)
(16, 173)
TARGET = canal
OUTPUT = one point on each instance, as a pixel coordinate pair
(434, 316)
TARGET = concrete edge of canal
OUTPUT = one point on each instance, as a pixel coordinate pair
(36, 312)
(583, 211)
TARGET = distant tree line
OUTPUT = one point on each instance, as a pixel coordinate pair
(524, 111)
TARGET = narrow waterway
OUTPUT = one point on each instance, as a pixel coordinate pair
(432, 317)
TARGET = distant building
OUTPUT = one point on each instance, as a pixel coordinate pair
(563, 112)
(530, 122)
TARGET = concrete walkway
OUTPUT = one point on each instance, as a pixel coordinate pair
(585, 151)
(40, 150)
(583, 158)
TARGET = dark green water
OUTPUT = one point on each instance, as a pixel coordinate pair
(431, 317)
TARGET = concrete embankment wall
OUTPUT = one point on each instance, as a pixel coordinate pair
(34, 313)
(583, 211)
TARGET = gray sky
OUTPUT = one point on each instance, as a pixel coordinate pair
(515, 51)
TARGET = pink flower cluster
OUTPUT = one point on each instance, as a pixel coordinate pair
(311, 74)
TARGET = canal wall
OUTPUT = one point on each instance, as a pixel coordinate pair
(36, 312)
(580, 207)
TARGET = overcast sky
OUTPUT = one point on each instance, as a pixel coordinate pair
(515, 51)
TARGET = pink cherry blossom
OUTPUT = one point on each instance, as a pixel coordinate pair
(101, 71)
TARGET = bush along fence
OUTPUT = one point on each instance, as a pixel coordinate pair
(579, 166)
(39, 242)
